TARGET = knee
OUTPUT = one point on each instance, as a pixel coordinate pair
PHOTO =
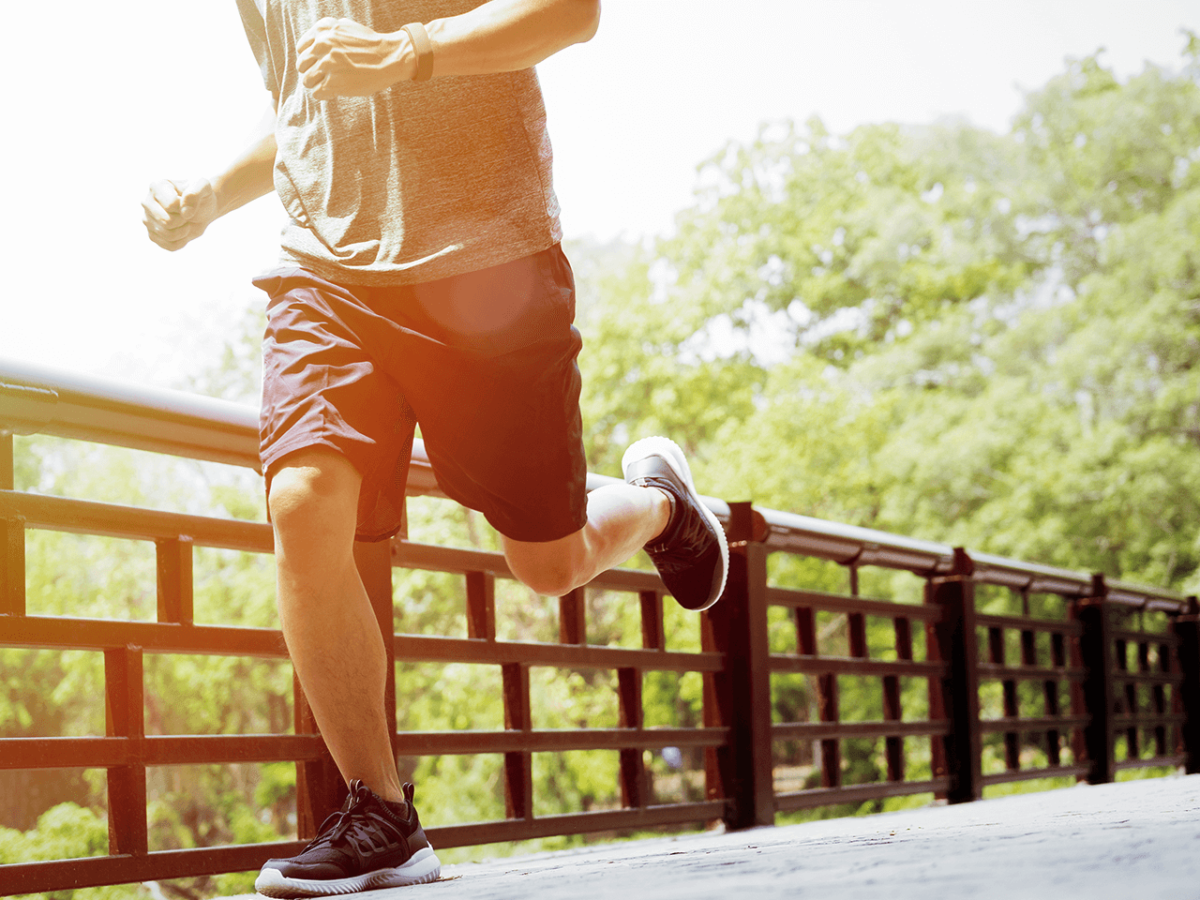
(314, 493)
(294, 495)
(547, 572)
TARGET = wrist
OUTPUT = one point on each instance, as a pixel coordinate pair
(402, 56)
(420, 51)
(222, 193)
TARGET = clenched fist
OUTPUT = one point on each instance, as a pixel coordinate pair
(176, 213)
(341, 58)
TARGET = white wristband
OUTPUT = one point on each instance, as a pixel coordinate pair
(423, 48)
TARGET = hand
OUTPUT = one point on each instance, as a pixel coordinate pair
(340, 58)
(176, 214)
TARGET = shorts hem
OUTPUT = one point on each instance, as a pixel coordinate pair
(269, 458)
(531, 536)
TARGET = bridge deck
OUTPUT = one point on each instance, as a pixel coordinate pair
(1135, 839)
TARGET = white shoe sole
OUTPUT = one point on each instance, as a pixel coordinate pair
(668, 450)
(422, 868)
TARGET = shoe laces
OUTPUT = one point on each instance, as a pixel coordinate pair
(348, 827)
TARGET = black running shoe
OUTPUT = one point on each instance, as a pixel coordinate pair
(367, 845)
(691, 554)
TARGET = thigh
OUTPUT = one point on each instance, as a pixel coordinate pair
(500, 414)
(322, 388)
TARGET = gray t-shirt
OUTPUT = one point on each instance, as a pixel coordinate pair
(420, 181)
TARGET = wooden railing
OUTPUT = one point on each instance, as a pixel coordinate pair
(1111, 681)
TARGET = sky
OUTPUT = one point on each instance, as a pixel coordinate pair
(169, 88)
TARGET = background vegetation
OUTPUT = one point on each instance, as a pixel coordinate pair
(936, 330)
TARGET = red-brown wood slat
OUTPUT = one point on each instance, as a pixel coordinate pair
(173, 565)
(124, 717)
(12, 564)
(572, 618)
(518, 764)
(653, 633)
(481, 606)
(635, 782)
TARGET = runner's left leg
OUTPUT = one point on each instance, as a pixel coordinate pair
(621, 519)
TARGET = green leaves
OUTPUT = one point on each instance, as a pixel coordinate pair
(936, 330)
(858, 237)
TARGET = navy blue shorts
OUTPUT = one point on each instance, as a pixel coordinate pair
(485, 362)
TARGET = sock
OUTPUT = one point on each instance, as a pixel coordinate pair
(669, 528)
(399, 807)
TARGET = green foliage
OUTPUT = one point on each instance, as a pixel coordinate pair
(887, 225)
(994, 336)
(65, 831)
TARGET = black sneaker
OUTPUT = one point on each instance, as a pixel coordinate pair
(691, 554)
(366, 845)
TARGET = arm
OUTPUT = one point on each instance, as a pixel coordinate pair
(176, 212)
(338, 57)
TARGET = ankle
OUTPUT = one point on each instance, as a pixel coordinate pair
(399, 807)
(664, 513)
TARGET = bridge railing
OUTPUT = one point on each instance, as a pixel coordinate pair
(1104, 678)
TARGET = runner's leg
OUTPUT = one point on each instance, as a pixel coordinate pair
(330, 628)
(621, 519)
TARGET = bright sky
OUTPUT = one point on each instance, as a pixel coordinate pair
(153, 88)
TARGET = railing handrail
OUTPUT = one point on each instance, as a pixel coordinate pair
(38, 399)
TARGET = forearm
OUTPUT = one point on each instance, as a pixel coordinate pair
(249, 175)
(343, 58)
(507, 35)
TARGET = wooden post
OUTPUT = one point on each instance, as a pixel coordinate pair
(175, 591)
(828, 710)
(856, 630)
(125, 717)
(12, 565)
(1096, 654)
(518, 764)
(12, 540)
(8, 466)
(740, 697)
(737, 627)
(481, 606)
(996, 656)
(806, 631)
(1127, 701)
(893, 710)
(635, 791)
(653, 634)
(957, 646)
(1052, 711)
(1058, 660)
(1187, 629)
(572, 618)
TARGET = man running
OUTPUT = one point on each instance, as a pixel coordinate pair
(420, 280)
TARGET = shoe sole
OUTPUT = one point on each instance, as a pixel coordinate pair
(423, 868)
(667, 450)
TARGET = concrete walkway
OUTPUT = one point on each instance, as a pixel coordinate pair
(1132, 840)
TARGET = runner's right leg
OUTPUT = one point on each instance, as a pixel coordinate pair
(376, 840)
(330, 628)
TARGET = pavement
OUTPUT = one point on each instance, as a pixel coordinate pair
(1138, 839)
